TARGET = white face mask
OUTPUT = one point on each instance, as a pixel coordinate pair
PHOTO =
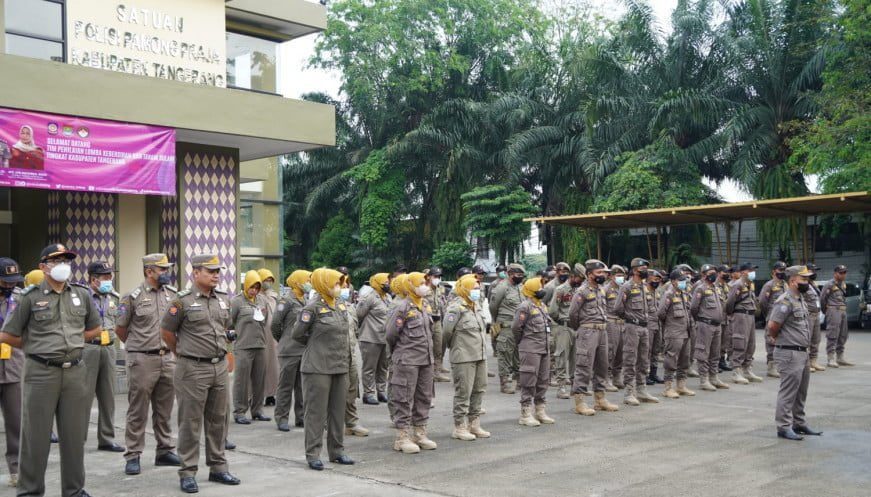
(475, 295)
(751, 275)
(61, 272)
(619, 280)
(436, 281)
(422, 291)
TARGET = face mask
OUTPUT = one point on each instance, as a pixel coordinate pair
(539, 294)
(345, 294)
(682, 285)
(336, 292)
(599, 280)
(803, 287)
(105, 286)
(475, 295)
(422, 291)
(751, 275)
(61, 272)
(654, 284)
(643, 274)
(575, 283)
(711, 277)
(436, 281)
(267, 286)
(385, 288)
(780, 276)
(725, 277)
(619, 280)
(163, 279)
(563, 278)
(306, 288)
(503, 275)
(517, 280)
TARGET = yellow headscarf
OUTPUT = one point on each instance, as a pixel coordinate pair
(377, 281)
(397, 285)
(323, 281)
(34, 277)
(464, 287)
(531, 286)
(251, 278)
(296, 280)
(264, 274)
(412, 281)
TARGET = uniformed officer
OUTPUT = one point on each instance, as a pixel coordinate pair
(771, 291)
(99, 355)
(531, 329)
(561, 276)
(249, 313)
(290, 351)
(587, 317)
(741, 306)
(437, 302)
(654, 327)
(150, 363)
(633, 306)
(479, 272)
(615, 329)
(372, 315)
(789, 332)
(409, 337)
(707, 308)
(52, 322)
(322, 326)
(352, 420)
(725, 276)
(465, 336)
(270, 378)
(11, 364)
(833, 303)
(564, 335)
(503, 303)
(673, 312)
(196, 327)
(812, 300)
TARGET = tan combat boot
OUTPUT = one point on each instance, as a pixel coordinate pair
(738, 378)
(475, 428)
(541, 415)
(440, 377)
(772, 370)
(357, 431)
(602, 403)
(506, 385)
(609, 386)
(815, 366)
(718, 383)
(581, 406)
(643, 396)
(422, 440)
(461, 431)
(526, 418)
(563, 392)
(629, 397)
(842, 361)
(683, 390)
(693, 372)
(706, 385)
(404, 444)
(670, 392)
(833, 363)
(748, 373)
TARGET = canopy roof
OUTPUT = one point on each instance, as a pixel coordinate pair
(717, 213)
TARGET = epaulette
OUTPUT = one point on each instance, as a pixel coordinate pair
(136, 291)
(184, 293)
(221, 291)
(80, 285)
(115, 294)
(29, 289)
(171, 288)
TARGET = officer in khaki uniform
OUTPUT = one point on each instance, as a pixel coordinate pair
(725, 276)
(655, 289)
(633, 306)
(52, 322)
(290, 351)
(673, 312)
(741, 307)
(812, 301)
(790, 335)
(11, 364)
(437, 302)
(833, 303)
(771, 291)
(322, 325)
(372, 315)
(99, 355)
(503, 303)
(196, 329)
(270, 379)
(150, 363)
(708, 310)
(565, 336)
(465, 334)
(587, 317)
(249, 313)
(615, 329)
(531, 329)
(352, 420)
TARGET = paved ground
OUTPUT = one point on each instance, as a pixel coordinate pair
(719, 444)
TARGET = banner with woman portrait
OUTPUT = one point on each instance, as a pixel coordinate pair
(39, 150)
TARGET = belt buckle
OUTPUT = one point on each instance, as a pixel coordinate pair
(214, 360)
(161, 352)
(66, 365)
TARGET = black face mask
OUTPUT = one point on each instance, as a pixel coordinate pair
(780, 276)
(599, 280)
(517, 279)
(803, 287)
(812, 277)
(385, 288)
(539, 294)
(711, 277)
(643, 274)
(563, 278)
(725, 277)
(576, 283)
(654, 284)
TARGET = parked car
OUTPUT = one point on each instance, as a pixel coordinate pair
(865, 304)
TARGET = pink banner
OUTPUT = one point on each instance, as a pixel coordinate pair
(39, 150)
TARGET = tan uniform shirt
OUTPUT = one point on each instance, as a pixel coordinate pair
(10, 369)
(249, 320)
(409, 334)
(506, 298)
(588, 307)
(812, 298)
(741, 297)
(282, 325)
(107, 305)
(771, 291)
(325, 332)
(611, 288)
(561, 303)
(372, 314)
(464, 332)
(531, 328)
(673, 311)
(792, 314)
(141, 311)
(632, 303)
(707, 303)
(833, 295)
(200, 322)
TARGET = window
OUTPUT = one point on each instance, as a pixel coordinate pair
(260, 216)
(35, 28)
(252, 63)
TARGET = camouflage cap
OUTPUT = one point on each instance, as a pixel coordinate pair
(618, 269)
(563, 265)
(579, 270)
(677, 274)
(840, 268)
(208, 261)
(593, 264)
(779, 265)
(515, 267)
(158, 259)
(707, 267)
(638, 262)
(798, 271)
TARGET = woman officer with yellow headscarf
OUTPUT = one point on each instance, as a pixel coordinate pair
(249, 312)
(323, 327)
(289, 350)
(531, 328)
(465, 333)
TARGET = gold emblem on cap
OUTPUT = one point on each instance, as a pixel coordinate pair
(212, 261)
(163, 260)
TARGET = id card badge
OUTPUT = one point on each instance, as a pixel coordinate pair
(5, 351)
(104, 337)
(258, 315)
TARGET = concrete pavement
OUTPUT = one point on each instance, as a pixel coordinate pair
(717, 443)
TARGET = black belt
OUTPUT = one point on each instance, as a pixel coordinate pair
(97, 341)
(563, 322)
(741, 311)
(436, 319)
(712, 322)
(150, 352)
(636, 322)
(210, 360)
(55, 363)
(791, 347)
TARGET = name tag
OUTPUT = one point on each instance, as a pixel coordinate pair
(104, 337)
(5, 351)
(534, 312)
(222, 304)
(76, 301)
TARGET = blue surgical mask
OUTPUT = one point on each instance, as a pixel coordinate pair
(475, 295)
(682, 285)
(306, 288)
(345, 294)
(751, 275)
(105, 286)
(164, 279)
(619, 280)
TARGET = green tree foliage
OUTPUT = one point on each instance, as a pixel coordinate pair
(336, 243)
(496, 213)
(451, 256)
(382, 189)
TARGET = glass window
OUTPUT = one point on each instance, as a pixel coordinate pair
(35, 17)
(34, 47)
(252, 63)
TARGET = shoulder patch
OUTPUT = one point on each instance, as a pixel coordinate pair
(136, 291)
(173, 310)
(115, 294)
(80, 285)
(784, 308)
(280, 306)
(171, 288)
(709, 292)
(221, 291)
(451, 317)
(184, 293)
(305, 316)
(28, 289)
(323, 310)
